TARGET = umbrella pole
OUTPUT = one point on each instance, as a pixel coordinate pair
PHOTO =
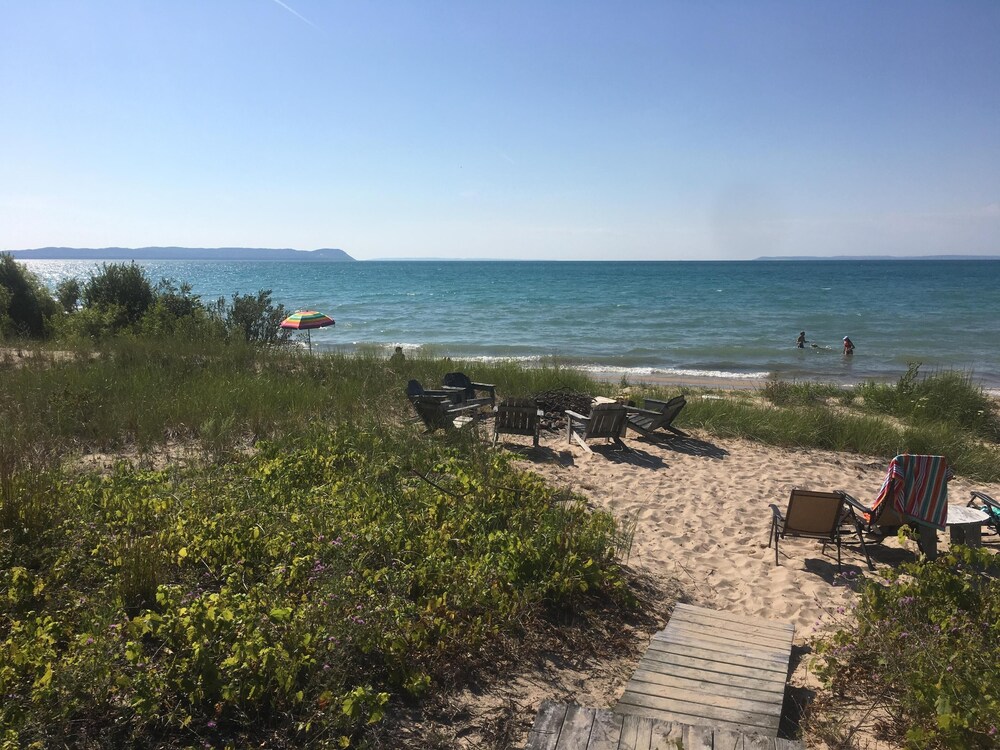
(309, 338)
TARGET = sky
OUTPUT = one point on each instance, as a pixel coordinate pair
(577, 130)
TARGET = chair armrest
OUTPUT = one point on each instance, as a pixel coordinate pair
(486, 386)
(984, 499)
(851, 501)
(776, 512)
(647, 412)
(460, 408)
(574, 415)
(655, 402)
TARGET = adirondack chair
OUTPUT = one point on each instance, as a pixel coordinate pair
(415, 390)
(817, 515)
(658, 415)
(437, 414)
(517, 416)
(605, 421)
(461, 380)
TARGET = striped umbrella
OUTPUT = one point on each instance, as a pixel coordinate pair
(307, 320)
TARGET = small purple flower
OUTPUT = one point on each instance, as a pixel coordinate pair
(211, 725)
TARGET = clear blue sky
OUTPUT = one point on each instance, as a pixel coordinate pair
(583, 130)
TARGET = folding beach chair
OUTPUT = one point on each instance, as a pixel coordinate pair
(990, 507)
(816, 515)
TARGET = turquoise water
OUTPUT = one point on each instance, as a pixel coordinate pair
(689, 318)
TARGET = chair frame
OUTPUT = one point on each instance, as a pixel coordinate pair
(597, 426)
(647, 421)
(468, 386)
(990, 507)
(437, 413)
(844, 516)
(526, 419)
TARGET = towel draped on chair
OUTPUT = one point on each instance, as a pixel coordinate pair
(917, 487)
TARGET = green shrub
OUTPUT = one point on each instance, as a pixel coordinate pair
(924, 649)
(254, 319)
(124, 286)
(26, 307)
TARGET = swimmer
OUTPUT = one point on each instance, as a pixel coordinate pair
(800, 342)
(848, 347)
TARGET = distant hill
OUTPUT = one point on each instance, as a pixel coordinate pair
(323, 255)
(880, 257)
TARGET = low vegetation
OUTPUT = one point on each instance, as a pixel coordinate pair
(917, 664)
(307, 561)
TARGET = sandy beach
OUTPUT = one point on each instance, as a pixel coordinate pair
(702, 520)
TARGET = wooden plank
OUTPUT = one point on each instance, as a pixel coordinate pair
(630, 733)
(697, 738)
(683, 718)
(545, 730)
(726, 624)
(683, 646)
(607, 730)
(758, 742)
(770, 639)
(679, 660)
(700, 704)
(656, 684)
(727, 740)
(780, 744)
(666, 735)
(696, 712)
(729, 621)
(711, 642)
(575, 731)
(738, 619)
(660, 672)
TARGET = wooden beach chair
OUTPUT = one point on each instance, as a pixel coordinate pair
(415, 390)
(657, 415)
(461, 380)
(437, 414)
(517, 416)
(605, 421)
(817, 515)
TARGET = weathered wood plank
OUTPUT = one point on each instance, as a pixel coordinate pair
(727, 740)
(545, 730)
(576, 728)
(693, 712)
(710, 642)
(684, 718)
(655, 684)
(664, 662)
(666, 735)
(607, 730)
(718, 614)
(771, 640)
(660, 672)
(682, 646)
(691, 700)
(757, 742)
(698, 738)
(780, 744)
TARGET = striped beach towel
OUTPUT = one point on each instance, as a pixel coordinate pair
(917, 487)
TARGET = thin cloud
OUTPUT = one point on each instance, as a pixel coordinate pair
(297, 15)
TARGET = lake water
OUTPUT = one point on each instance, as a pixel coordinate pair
(671, 318)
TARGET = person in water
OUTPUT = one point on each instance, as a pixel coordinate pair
(801, 340)
(848, 347)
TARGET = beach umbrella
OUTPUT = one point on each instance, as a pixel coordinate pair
(307, 320)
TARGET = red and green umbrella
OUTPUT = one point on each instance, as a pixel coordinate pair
(307, 320)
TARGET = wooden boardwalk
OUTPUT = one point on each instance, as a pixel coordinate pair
(713, 669)
(561, 727)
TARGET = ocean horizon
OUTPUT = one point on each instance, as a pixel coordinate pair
(733, 320)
